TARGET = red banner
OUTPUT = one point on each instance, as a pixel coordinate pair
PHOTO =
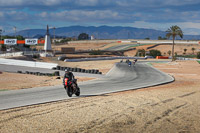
(23, 42)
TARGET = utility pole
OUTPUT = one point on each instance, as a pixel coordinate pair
(1, 36)
(128, 35)
(54, 32)
(15, 28)
(1, 33)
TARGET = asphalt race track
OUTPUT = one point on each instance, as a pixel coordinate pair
(120, 78)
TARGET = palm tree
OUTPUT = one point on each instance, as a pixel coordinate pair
(169, 52)
(174, 31)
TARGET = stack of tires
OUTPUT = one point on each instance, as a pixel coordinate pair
(56, 73)
(92, 71)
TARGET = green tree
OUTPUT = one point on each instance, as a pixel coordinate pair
(19, 37)
(193, 49)
(198, 55)
(83, 36)
(174, 31)
(140, 52)
(147, 38)
(96, 52)
(185, 50)
(65, 40)
(154, 53)
(161, 38)
(3, 47)
(169, 52)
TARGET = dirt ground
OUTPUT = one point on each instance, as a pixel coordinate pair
(77, 46)
(169, 108)
(179, 49)
(23, 81)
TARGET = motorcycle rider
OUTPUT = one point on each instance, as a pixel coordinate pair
(134, 61)
(68, 75)
(129, 63)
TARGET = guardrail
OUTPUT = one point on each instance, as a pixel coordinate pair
(103, 58)
(27, 63)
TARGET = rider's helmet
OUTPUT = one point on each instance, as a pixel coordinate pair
(67, 70)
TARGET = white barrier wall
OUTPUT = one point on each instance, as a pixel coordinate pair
(27, 63)
(168, 41)
(136, 40)
(183, 58)
(11, 54)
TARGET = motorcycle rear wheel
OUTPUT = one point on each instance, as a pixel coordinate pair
(77, 92)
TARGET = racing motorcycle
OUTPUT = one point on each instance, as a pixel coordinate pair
(71, 87)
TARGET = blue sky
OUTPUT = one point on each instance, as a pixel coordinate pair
(151, 14)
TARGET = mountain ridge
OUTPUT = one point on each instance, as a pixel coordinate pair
(102, 32)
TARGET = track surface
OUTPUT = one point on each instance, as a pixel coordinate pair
(120, 78)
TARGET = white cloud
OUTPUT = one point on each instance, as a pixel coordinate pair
(189, 28)
(78, 15)
(1, 14)
(189, 25)
(12, 2)
(179, 2)
(87, 2)
(43, 14)
(13, 16)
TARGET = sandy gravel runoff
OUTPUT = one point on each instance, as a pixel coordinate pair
(170, 108)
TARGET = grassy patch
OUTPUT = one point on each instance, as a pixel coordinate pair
(187, 56)
(96, 52)
(198, 62)
(150, 64)
(4, 90)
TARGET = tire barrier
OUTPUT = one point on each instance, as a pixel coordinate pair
(89, 71)
(19, 71)
(62, 68)
(83, 70)
(56, 73)
(78, 69)
(58, 67)
(72, 69)
(54, 68)
(75, 69)
(27, 72)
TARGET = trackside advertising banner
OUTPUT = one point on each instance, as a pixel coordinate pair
(31, 41)
(10, 41)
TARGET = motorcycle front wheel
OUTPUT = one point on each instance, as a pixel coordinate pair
(69, 92)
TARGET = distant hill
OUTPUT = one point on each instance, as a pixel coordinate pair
(103, 32)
